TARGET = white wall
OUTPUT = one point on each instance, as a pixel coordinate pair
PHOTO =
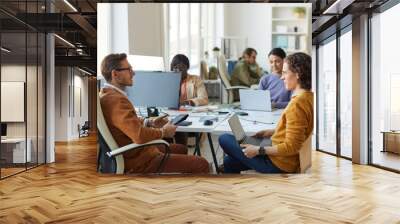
(16, 73)
(112, 30)
(251, 21)
(67, 114)
(145, 26)
(135, 29)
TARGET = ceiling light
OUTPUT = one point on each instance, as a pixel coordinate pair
(86, 72)
(70, 5)
(5, 50)
(338, 6)
(65, 41)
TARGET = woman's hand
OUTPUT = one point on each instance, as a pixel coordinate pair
(250, 151)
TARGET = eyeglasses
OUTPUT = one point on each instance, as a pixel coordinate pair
(123, 69)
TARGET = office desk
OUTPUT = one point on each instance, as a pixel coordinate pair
(197, 126)
(16, 153)
(391, 141)
(252, 123)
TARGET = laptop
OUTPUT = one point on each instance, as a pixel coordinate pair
(252, 99)
(240, 135)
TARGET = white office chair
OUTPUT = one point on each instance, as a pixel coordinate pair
(110, 156)
(223, 75)
(305, 155)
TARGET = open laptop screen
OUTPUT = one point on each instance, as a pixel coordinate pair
(236, 127)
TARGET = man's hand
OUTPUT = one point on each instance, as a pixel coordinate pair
(159, 122)
(169, 130)
(250, 151)
(264, 133)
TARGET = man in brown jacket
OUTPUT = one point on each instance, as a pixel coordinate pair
(126, 127)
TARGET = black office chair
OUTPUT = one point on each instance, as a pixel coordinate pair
(84, 129)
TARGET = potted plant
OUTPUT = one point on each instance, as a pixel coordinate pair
(299, 12)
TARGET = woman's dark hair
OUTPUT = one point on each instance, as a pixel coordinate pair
(109, 63)
(249, 50)
(180, 59)
(300, 63)
(278, 52)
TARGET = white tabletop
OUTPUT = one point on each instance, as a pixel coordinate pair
(13, 140)
(253, 122)
(197, 125)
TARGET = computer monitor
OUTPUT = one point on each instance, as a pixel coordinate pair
(3, 129)
(155, 89)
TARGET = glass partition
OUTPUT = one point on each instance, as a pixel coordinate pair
(385, 90)
(327, 96)
(22, 77)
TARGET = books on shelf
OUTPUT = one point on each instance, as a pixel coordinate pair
(282, 42)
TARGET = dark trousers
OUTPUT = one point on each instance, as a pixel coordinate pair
(235, 160)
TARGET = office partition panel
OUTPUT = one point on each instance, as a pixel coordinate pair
(326, 135)
(22, 63)
(346, 93)
(15, 146)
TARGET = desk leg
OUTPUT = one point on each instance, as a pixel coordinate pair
(212, 151)
(197, 147)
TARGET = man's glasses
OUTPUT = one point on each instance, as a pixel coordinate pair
(123, 69)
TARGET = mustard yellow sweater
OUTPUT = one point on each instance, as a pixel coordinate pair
(294, 127)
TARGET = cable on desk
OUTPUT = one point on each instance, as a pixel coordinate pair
(255, 121)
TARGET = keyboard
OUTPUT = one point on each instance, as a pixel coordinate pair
(251, 140)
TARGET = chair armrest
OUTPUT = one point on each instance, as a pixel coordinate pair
(134, 146)
(237, 87)
(255, 86)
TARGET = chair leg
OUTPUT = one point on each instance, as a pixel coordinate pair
(98, 161)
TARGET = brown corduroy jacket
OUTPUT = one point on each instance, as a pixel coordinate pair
(126, 128)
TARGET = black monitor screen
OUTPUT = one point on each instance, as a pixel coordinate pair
(3, 129)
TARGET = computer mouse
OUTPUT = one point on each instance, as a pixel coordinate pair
(208, 122)
(241, 113)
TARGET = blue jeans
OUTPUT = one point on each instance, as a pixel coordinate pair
(235, 160)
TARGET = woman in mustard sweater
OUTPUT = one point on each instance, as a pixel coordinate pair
(281, 154)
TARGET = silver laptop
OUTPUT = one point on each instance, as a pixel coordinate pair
(239, 133)
(252, 99)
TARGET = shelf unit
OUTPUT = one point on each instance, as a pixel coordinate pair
(288, 31)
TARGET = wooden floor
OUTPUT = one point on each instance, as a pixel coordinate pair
(70, 191)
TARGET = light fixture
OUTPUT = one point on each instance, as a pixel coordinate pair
(5, 50)
(65, 41)
(84, 71)
(338, 6)
(70, 5)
